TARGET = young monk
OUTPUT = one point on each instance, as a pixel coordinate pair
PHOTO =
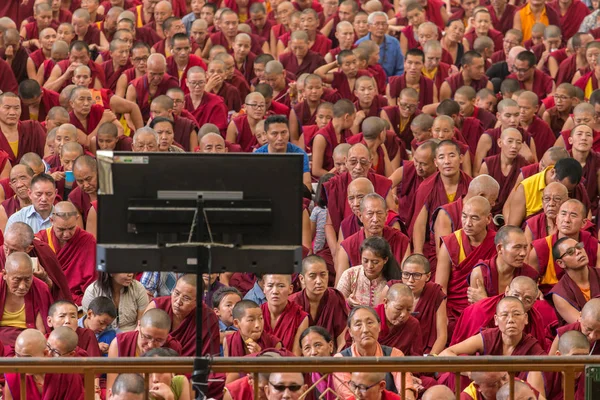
(401, 116)
(466, 97)
(575, 63)
(413, 77)
(533, 125)
(368, 103)
(344, 79)
(64, 314)
(588, 324)
(472, 74)
(372, 55)
(250, 337)
(565, 99)
(443, 129)
(581, 139)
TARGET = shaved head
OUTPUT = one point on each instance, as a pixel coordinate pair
(64, 339)
(361, 185)
(399, 290)
(311, 261)
(30, 343)
(438, 392)
(522, 391)
(156, 318)
(485, 186)
(573, 340)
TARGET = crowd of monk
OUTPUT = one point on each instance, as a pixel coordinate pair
(451, 187)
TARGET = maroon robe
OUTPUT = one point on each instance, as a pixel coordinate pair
(309, 64)
(397, 240)
(112, 75)
(56, 386)
(406, 191)
(398, 83)
(287, 324)
(542, 135)
(212, 109)
(247, 68)
(505, 22)
(93, 119)
(185, 334)
(489, 271)
(97, 72)
(11, 206)
(10, 9)
(379, 75)
(143, 97)
(567, 70)
(471, 131)
(332, 313)
(32, 138)
(146, 35)
(493, 346)
(38, 58)
(18, 64)
(595, 144)
(498, 56)
(245, 136)
(495, 135)
(379, 168)
(337, 195)
(493, 34)
(127, 344)
(37, 301)
(81, 200)
(403, 133)
(237, 348)
(537, 226)
(77, 259)
(48, 100)
(265, 32)
(425, 311)
(576, 326)
(8, 83)
(488, 120)
(409, 33)
(321, 45)
(553, 385)
(240, 389)
(443, 72)
(569, 291)
(556, 121)
(161, 47)
(183, 130)
(590, 170)
(571, 21)
(331, 138)
(302, 110)
(92, 36)
(542, 84)
(583, 81)
(406, 337)
(231, 96)
(433, 13)
(456, 81)
(173, 70)
(507, 183)
(340, 82)
(460, 270)
(88, 342)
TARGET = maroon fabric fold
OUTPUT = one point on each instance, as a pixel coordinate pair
(287, 324)
(332, 313)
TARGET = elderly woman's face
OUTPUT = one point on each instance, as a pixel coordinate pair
(364, 328)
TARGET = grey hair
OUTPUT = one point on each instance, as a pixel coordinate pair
(372, 16)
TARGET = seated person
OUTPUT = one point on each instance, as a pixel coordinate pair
(100, 315)
(64, 314)
(167, 385)
(224, 300)
(250, 336)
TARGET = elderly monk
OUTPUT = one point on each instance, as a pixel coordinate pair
(569, 221)
(447, 218)
(588, 324)
(63, 71)
(204, 106)
(63, 313)
(544, 224)
(19, 237)
(85, 170)
(526, 199)
(506, 166)
(216, 83)
(154, 83)
(36, 102)
(127, 386)
(492, 277)
(373, 214)
(358, 163)
(181, 307)
(301, 59)
(581, 140)
(459, 253)
(579, 284)
(152, 332)
(324, 305)
(364, 328)
(283, 319)
(242, 129)
(212, 143)
(410, 175)
(370, 385)
(445, 186)
(484, 385)
(20, 182)
(380, 143)
(62, 342)
(18, 137)
(145, 140)
(63, 134)
(357, 190)
(472, 74)
(438, 392)
(32, 343)
(533, 125)
(24, 299)
(74, 248)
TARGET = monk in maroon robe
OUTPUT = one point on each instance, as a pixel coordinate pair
(63, 313)
(581, 140)
(205, 107)
(36, 102)
(79, 53)
(8, 82)
(571, 16)
(586, 325)
(248, 339)
(471, 75)
(325, 306)
(117, 65)
(426, 86)
(401, 118)
(543, 224)
(533, 125)
(18, 137)
(173, 67)
(460, 252)
(532, 79)
(301, 59)
(34, 302)
(76, 250)
(503, 16)
(42, 387)
(242, 128)
(283, 319)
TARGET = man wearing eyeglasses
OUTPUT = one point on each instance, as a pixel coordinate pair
(390, 56)
(242, 129)
(285, 386)
(530, 78)
(580, 282)
(204, 106)
(370, 386)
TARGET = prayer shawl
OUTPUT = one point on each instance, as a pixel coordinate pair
(211, 110)
(456, 81)
(568, 290)
(48, 100)
(377, 104)
(336, 190)
(530, 170)
(507, 183)
(287, 324)
(32, 138)
(77, 259)
(488, 120)
(240, 389)
(146, 35)
(143, 96)
(37, 301)
(10, 9)
(398, 83)
(542, 135)
(550, 274)
(425, 311)
(38, 58)
(237, 348)
(453, 211)
(8, 82)
(265, 32)
(56, 386)
(542, 84)
(97, 73)
(88, 342)
(127, 344)
(537, 225)
(406, 191)
(185, 334)
(81, 200)
(328, 132)
(245, 136)
(480, 315)
(332, 313)
(505, 22)
(572, 19)
(433, 13)
(471, 130)
(406, 337)
(11, 206)
(595, 144)
(489, 270)
(92, 119)
(309, 63)
(463, 258)
(398, 242)
(409, 33)
(183, 130)
(112, 75)
(277, 108)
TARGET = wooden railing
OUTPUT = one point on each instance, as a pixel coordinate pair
(90, 367)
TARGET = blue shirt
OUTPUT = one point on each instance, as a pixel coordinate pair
(256, 295)
(31, 217)
(390, 55)
(106, 336)
(225, 328)
(291, 148)
(188, 20)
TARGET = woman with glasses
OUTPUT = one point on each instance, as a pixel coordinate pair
(128, 294)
